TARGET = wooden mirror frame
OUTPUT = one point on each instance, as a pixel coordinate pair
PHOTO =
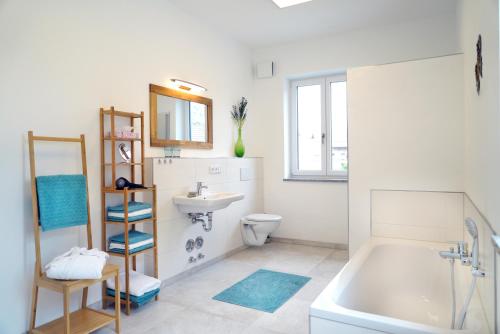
(155, 90)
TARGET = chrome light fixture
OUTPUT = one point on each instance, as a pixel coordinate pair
(189, 86)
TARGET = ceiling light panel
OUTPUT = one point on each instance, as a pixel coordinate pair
(288, 3)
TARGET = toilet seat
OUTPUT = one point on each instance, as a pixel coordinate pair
(263, 217)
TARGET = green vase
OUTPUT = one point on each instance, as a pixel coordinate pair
(239, 148)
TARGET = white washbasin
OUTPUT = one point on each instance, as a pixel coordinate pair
(205, 203)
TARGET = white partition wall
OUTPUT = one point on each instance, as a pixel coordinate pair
(406, 132)
(482, 135)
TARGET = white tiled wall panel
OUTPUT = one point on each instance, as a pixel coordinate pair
(178, 176)
(417, 215)
(485, 285)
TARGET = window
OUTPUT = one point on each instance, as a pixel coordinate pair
(197, 122)
(319, 128)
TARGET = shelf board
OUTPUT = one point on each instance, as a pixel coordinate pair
(117, 191)
(122, 300)
(82, 321)
(142, 221)
(124, 164)
(121, 139)
(112, 299)
(121, 113)
(134, 254)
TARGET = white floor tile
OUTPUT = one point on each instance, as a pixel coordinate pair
(291, 318)
(192, 321)
(187, 306)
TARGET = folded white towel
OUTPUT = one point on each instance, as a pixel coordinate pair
(139, 283)
(115, 245)
(77, 263)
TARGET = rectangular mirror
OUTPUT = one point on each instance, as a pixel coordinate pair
(179, 118)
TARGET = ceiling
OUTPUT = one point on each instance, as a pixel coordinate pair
(260, 23)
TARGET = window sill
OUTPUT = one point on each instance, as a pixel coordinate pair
(315, 179)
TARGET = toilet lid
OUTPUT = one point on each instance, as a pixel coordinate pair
(263, 217)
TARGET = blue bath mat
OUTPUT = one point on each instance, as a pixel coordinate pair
(264, 290)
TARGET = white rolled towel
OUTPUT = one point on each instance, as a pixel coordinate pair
(77, 263)
(139, 283)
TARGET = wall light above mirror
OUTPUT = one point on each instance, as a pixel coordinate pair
(188, 86)
(180, 119)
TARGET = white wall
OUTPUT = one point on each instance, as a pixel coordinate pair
(59, 62)
(406, 125)
(482, 132)
(175, 228)
(323, 206)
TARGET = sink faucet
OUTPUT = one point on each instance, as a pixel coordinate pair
(200, 187)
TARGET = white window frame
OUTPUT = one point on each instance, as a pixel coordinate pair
(326, 171)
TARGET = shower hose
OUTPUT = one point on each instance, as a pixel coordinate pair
(453, 294)
(463, 311)
(459, 324)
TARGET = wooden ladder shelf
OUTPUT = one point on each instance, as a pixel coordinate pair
(108, 190)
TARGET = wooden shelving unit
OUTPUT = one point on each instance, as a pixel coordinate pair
(109, 189)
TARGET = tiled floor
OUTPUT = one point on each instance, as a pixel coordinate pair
(187, 306)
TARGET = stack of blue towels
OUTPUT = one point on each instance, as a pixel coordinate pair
(139, 301)
(136, 211)
(142, 288)
(137, 241)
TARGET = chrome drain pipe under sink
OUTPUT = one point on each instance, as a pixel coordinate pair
(200, 218)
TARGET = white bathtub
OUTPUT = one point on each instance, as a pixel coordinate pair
(394, 286)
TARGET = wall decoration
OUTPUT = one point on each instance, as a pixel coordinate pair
(479, 64)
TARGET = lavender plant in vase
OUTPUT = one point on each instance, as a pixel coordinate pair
(239, 115)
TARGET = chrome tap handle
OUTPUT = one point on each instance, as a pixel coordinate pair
(199, 187)
(463, 251)
(462, 248)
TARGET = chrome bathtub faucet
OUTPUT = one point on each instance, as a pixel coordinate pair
(461, 254)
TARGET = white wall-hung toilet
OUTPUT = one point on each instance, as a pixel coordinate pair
(255, 228)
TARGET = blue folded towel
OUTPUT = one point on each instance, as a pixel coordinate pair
(139, 300)
(116, 213)
(133, 237)
(132, 218)
(132, 206)
(62, 201)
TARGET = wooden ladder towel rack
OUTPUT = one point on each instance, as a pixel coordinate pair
(84, 320)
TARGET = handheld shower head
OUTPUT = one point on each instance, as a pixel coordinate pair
(471, 227)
